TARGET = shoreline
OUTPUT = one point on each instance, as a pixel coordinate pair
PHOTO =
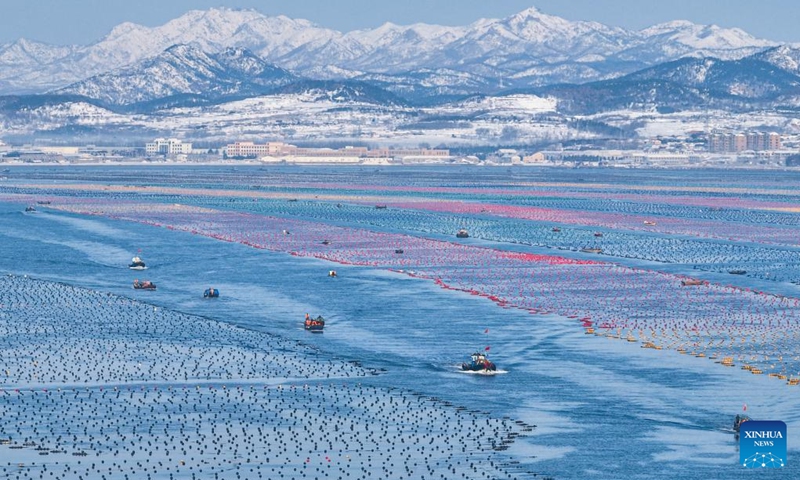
(251, 163)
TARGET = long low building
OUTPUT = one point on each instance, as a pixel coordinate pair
(280, 149)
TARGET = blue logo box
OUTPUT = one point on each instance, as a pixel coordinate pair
(762, 444)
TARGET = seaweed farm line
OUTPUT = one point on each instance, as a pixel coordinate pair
(611, 305)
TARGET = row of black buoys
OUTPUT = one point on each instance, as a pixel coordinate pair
(75, 403)
(94, 337)
(354, 430)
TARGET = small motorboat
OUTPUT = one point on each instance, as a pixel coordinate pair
(692, 282)
(285, 232)
(332, 273)
(43, 202)
(211, 293)
(592, 250)
(314, 325)
(649, 223)
(462, 234)
(30, 208)
(137, 264)
(380, 207)
(556, 229)
(479, 363)
(144, 285)
(598, 234)
(738, 421)
(398, 250)
(326, 242)
(737, 272)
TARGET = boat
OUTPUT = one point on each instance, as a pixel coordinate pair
(649, 223)
(137, 264)
(556, 229)
(691, 282)
(144, 285)
(462, 234)
(380, 207)
(314, 325)
(332, 273)
(737, 272)
(43, 202)
(592, 250)
(598, 234)
(211, 293)
(398, 250)
(30, 208)
(479, 363)
(285, 232)
(326, 242)
(738, 421)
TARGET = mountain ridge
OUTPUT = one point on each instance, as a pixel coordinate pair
(529, 41)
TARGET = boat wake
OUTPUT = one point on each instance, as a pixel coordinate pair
(487, 373)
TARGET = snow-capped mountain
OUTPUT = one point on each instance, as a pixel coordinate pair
(748, 78)
(746, 84)
(673, 40)
(182, 70)
(784, 57)
(528, 48)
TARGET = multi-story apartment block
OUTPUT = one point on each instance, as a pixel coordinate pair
(167, 146)
(733, 143)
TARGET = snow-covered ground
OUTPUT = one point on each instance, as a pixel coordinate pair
(307, 117)
(652, 124)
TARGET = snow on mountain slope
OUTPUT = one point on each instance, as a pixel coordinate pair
(489, 47)
(524, 104)
(23, 51)
(704, 37)
(182, 69)
(784, 57)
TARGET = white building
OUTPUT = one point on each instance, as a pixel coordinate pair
(168, 146)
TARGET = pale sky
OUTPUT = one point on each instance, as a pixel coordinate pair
(64, 22)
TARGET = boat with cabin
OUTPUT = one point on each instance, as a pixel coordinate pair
(144, 285)
(479, 363)
(211, 293)
(314, 325)
(137, 264)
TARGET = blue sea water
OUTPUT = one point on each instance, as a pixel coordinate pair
(603, 408)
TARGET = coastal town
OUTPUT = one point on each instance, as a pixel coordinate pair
(692, 150)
